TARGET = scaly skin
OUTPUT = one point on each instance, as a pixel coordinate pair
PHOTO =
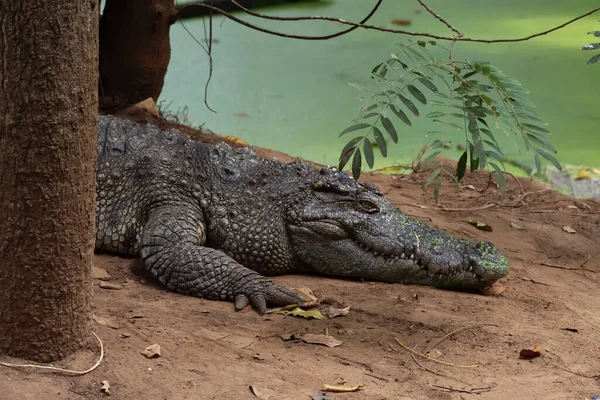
(211, 221)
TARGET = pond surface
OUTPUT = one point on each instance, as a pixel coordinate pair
(294, 96)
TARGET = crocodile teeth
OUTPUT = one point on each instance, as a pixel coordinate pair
(403, 255)
(412, 256)
(376, 253)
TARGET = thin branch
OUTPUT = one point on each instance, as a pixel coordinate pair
(567, 268)
(63, 370)
(286, 35)
(210, 62)
(210, 59)
(377, 28)
(459, 34)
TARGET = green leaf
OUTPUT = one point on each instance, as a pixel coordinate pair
(376, 68)
(476, 111)
(593, 60)
(431, 157)
(435, 114)
(356, 164)
(461, 167)
(432, 176)
(428, 84)
(595, 33)
(538, 163)
(345, 157)
(469, 74)
(368, 153)
(591, 46)
(457, 127)
(355, 127)
(417, 94)
(535, 128)
(380, 140)
(389, 127)
(501, 180)
(400, 114)
(473, 161)
(436, 191)
(352, 143)
(369, 115)
(550, 158)
(409, 104)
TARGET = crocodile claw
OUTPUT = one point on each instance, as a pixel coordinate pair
(266, 292)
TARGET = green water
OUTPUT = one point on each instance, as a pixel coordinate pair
(296, 94)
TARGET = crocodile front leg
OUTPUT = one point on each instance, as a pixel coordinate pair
(171, 249)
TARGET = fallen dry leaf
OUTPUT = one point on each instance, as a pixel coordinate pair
(105, 388)
(583, 174)
(287, 337)
(152, 351)
(514, 225)
(568, 229)
(434, 353)
(125, 335)
(333, 312)
(104, 321)
(99, 273)
(533, 352)
(307, 293)
(325, 340)
(298, 312)
(495, 289)
(236, 139)
(110, 285)
(305, 305)
(261, 393)
(574, 330)
(148, 105)
(481, 225)
(341, 388)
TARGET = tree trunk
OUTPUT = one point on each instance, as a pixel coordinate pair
(135, 51)
(48, 112)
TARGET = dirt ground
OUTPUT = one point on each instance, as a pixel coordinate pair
(209, 351)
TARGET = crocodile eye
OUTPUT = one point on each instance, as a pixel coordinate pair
(368, 206)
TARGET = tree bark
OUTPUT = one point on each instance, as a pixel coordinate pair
(135, 51)
(48, 112)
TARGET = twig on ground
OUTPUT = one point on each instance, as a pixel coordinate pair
(516, 180)
(464, 328)
(381, 378)
(589, 257)
(577, 373)
(434, 359)
(412, 354)
(568, 268)
(76, 392)
(479, 208)
(63, 370)
(536, 282)
(471, 391)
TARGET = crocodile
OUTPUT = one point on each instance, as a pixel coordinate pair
(214, 221)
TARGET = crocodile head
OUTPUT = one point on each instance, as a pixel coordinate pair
(347, 228)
